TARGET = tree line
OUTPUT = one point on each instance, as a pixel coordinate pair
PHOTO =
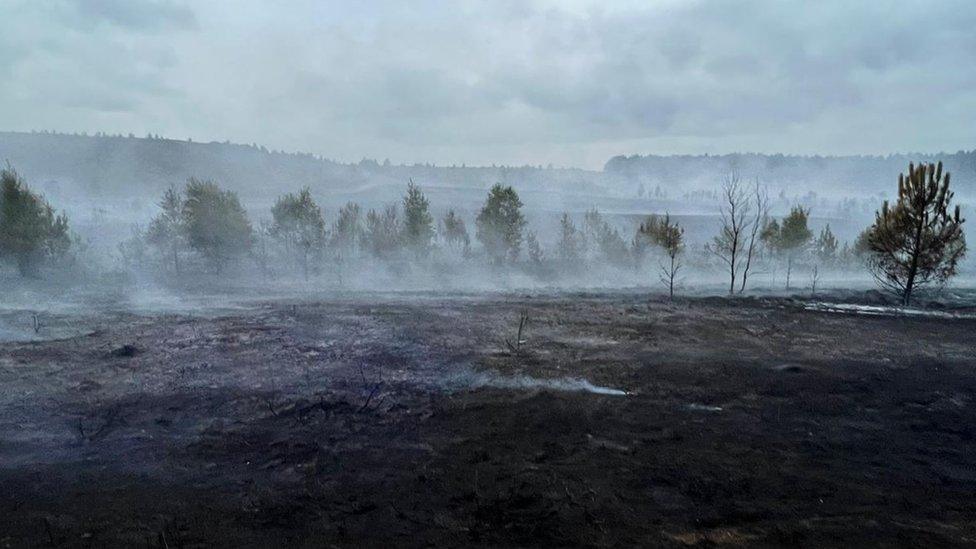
(915, 242)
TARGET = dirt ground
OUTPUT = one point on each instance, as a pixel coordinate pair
(414, 421)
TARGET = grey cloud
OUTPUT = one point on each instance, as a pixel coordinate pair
(139, 15)
(463, 81)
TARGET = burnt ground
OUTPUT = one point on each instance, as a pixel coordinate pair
(401, 421)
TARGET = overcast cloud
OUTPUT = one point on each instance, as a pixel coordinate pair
(514, 82)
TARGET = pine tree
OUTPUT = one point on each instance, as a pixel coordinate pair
(668, 236)
(500, 224)
(347, 231)
(570, 241)
(418, 224)
(917, 242)
(30, 231)
(790, 238)
(534, 248)
(298, 224)
(826, 246)
(455, 233)
(383, 231)
(603, 239)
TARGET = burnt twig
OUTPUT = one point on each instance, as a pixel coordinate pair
(519, 341)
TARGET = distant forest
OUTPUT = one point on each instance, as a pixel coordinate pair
(839, 175)
(121, 169)
(108, 167)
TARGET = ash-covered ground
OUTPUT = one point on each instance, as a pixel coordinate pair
(414, 420)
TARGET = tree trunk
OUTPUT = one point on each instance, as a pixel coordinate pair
(913, 270)
(25, 266)
(671, 280)
(789, 270)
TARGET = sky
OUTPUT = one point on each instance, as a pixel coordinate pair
(570, 82)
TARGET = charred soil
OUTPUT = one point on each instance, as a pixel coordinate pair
(417, 421)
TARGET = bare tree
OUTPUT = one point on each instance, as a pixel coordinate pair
(730, 243)
(760, 199)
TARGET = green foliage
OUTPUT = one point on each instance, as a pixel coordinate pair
(770, 234)
(455, 233)
(297, 223)
(347, 232)
(642, 242)
(790, 238)
(500, 224)
(167, 232)
(215, 222)
(383, 231)
(825, 247)
(663, 233)
(794, 234)
(30, 231)
(133, 250)
(571, 243)
(604, 240)
(668, 237)
(418, 224)
(917, 242)
(533, 248)
(862, 245)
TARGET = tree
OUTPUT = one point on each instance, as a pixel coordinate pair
(132, 250)
(455, 233)
(30, 231)
(606, 240)
(297, 223)
(731, 240)
(643, 239)
(861, 250)
(383, 231)
(761, 201)
(769, 234)
(216, 224)
(259, 248)
(418, 224)
(668, 236)
(794, 237)
(825, 247)
(166, 231)
(500, 224)
(534, 248)
(347, 231)
(917, 242)
(570, 243)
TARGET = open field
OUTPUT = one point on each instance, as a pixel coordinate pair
(407, 420)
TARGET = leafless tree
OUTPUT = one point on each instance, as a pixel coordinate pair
(760, 200)
(729, 245)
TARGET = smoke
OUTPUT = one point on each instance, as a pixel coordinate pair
(109, 212)
(468, 378)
